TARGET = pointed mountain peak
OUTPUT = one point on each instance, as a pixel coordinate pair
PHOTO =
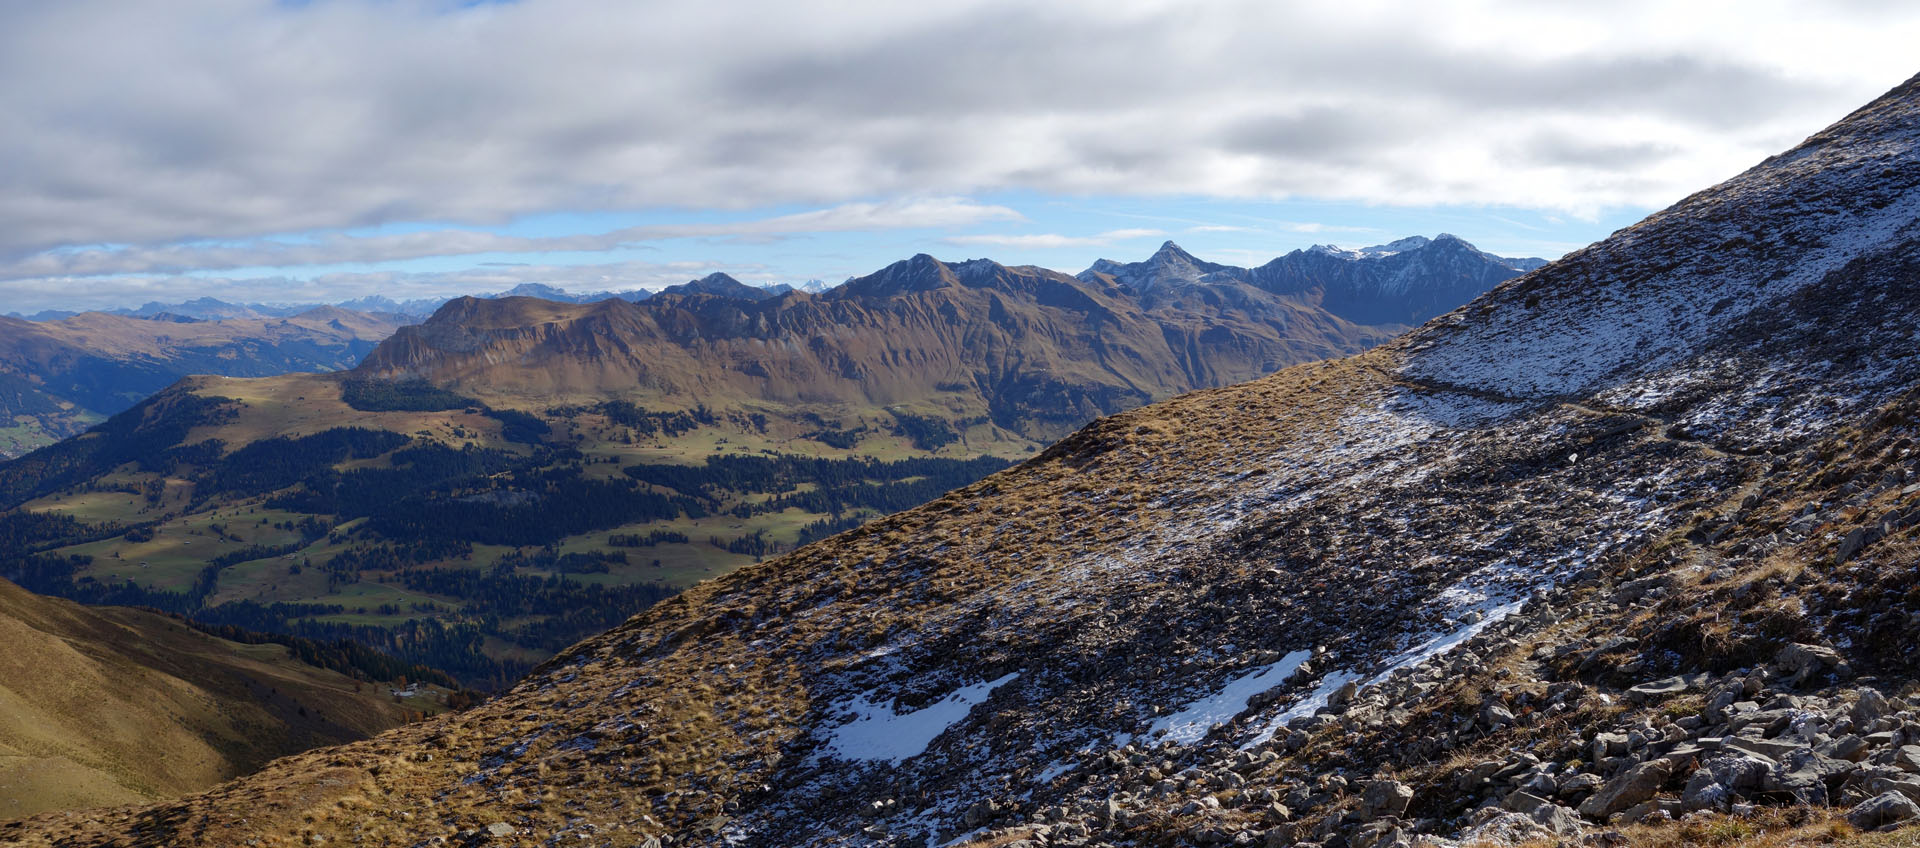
(919, 273)
(1169, 265)
(1169, 251)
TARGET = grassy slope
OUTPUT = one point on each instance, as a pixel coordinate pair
(107, 705)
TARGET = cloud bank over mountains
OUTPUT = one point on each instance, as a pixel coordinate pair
(199, 135)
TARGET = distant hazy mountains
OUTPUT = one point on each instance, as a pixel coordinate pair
(58, 378)
(1402, 282)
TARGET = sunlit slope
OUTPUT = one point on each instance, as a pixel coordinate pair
(112, 705)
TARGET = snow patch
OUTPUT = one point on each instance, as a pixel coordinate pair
(1191, 724)
(878, 733)
(1408, 658)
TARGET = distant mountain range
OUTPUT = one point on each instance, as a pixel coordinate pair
(405, 311)
(1360, 273)
(57, 378)
(1195, 324)
(1402, 282)
(1034, 351)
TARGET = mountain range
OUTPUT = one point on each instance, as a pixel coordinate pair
(513, 474)
(1404, 282)
(1033, 351)
(1622, 549)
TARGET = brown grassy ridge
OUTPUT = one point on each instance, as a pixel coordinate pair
(108, 705)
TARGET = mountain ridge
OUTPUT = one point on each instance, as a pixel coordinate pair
(111, 705)
(794, 346)
(1405, 282)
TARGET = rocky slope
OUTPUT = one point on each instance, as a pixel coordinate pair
(1628, 539)
(59, 377)
(109, 705)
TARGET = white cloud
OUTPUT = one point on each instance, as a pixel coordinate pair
(164, 125)
(111, 292)
(337, 249)
(1044, 241)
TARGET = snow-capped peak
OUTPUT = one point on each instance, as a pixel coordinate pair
(1402, 245)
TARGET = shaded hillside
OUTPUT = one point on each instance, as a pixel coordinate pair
(109, 705)
(1629, 538)
(59, 377)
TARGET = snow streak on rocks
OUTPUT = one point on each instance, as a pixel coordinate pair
(877, 732)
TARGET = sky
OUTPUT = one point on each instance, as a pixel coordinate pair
(322, 150)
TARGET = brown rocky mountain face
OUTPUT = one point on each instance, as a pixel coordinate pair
(1630, 538)
(57, 378)
(1036, 352)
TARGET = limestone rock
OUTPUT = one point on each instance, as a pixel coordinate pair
(1636, 785)
(1882, 810)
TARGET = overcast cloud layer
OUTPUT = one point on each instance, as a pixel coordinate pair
(140, 132)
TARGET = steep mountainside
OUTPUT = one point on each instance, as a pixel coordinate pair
(1402, 283)
(59, 377)
(108, 705)
(1630, 537)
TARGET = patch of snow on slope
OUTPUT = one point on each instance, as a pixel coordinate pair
(1191, 724)
(1409, 658)
(1305, 706)
(878, 733)
(1568, 345)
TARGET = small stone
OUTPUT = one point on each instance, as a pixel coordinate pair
(1668, 686)
(1562, 821)
(1608, 745)
(1772, 749)
(500, 830)
(1869, 705)
(1385, 798)
(1521, 801)
(1703, 792)
(1801, 662)
(1849, 747)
